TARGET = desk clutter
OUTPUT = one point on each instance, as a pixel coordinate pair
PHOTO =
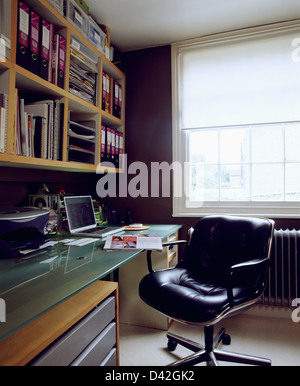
(24, 230)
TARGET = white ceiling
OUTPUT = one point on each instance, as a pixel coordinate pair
(136, 24)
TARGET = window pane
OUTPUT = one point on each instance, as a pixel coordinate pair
(204, 146)
(204, 183)
(235, 183)
(267, 143)
(234, 145)
(267, 182)
(292, 181)
(292, 142)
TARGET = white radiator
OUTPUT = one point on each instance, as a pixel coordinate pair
(284, 275)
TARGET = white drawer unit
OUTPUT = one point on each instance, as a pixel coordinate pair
(87, 343)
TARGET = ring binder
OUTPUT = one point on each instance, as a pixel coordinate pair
(45, 47)
(34, 57)
(23, 35)
(61, 62)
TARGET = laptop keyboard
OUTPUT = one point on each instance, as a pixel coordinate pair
(95, 230)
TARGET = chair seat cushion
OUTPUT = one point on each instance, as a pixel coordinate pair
(177, 294)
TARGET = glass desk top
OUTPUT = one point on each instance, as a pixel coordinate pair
(33, 285)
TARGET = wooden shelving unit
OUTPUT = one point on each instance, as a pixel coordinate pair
(13, 76)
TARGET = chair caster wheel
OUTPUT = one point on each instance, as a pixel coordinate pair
(172, 345)
(226, 339)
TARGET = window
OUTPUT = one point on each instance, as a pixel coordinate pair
(236, 123)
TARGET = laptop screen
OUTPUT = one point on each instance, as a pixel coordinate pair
(80, 213)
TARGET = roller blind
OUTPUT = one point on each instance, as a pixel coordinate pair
(244, 80)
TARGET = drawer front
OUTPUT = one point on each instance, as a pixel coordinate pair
(66, 348)
(111, 359)
(96, 352)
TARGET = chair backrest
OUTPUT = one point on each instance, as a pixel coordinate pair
(218, 242)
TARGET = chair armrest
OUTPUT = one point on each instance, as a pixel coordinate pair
(165, 244)
(175, 242)
(250, 264)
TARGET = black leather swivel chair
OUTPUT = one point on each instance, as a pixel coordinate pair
(223, 271)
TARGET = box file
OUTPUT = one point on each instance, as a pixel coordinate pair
(107, 93)
(61, 61)
(23, 35)
(113, 145)
(103, 90)
(45, 49)
(108, 144)
(117, 99)
(117, 150)
(103, 143)
(34, 56)
(58, 61)
(55, 59)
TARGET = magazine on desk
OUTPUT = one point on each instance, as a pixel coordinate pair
(123, 242)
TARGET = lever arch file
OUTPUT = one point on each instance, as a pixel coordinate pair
(23, 35)
(34, 56)
(45, 49)
(103, 143)
(61, 61)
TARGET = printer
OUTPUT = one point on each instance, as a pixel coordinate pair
(22, 228)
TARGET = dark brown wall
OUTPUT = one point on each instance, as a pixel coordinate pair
(17, 183)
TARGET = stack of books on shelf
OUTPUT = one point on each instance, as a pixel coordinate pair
(83, 73)
(82, 138)
(3, 122)
(38, 129)
(39, 49)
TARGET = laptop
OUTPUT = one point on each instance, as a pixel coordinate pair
(82, 221)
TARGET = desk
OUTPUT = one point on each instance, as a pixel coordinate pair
(33, 287)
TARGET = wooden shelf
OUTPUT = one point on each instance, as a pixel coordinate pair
(33, 87)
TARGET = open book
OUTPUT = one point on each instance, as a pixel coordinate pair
(146, 241)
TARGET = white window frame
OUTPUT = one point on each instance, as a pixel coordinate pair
(180, 145)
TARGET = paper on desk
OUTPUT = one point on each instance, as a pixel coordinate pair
(80, 242)
(46, 245)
